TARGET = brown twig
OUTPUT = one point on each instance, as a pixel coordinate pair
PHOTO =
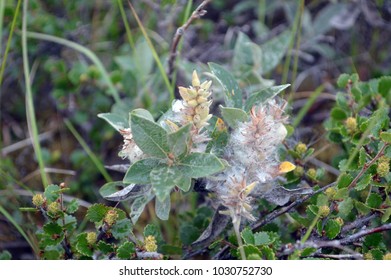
(270, 217)
(358, 223)
(285, 209)
(339, 244)
(367, 165)
(197, 13)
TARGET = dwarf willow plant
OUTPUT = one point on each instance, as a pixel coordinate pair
(188, 143)
(244, 168)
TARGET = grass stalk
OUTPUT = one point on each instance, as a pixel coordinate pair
(31, 120)
(88, 53)
(295, 29)
(310, 229)
(89, 152)
(125, 21)
(154, 53)
(20, 230)
(2, 6)
(303, 111)
(7, 48)
(239, 238)
(296, 58)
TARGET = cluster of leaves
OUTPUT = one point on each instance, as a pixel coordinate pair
(170, 162)
(62, 237)
(359, 122)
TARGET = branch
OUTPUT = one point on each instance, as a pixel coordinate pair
(270, 217)
(363, 233)
(367, 165)
(358, 223)
(339, 244)
(339, 257)
(197, 13)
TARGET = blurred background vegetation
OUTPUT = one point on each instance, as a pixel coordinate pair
(318, 40)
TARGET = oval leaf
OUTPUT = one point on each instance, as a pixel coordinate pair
(149, 136)
(199, 165)
(263, 95)
(233, 93)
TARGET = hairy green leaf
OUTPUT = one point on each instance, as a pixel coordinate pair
(116, 121)
(121, 228)
(139, 172)
(178, 141)
(198, 165)
(233, 116)
(233, 93)
(149, 136)
(263, 95)
(163, 208)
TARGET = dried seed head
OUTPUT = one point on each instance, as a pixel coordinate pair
(130, 149)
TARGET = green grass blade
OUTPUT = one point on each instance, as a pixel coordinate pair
(154, 53)
(303, 111)
(92, 56)
(29, 100)
(7, 48)
(87, 149)
(295, 29)
(20, 230)
(125, 21)
(2, 5)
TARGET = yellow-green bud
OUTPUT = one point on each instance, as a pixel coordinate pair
(195, 81)
(91, 238)
(111, 217)
(150, 243)
(54, 208)
(384, 159)
(368, 256)
(301, 148)
(94, 72)
(299, 171)
(83, 78)
(38, 200)
(324, 211)
(311, 173)
(383, 168)
(387, 257)
(330, 192)
(192, 103)
(340, 221)
(202, 110)
(351, 124)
